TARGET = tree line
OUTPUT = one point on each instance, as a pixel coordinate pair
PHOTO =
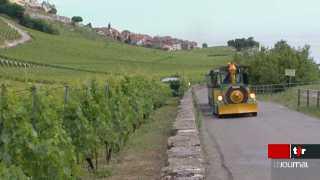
(243, 43)
(267, 66)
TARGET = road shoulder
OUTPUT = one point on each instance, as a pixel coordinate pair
(215, 166)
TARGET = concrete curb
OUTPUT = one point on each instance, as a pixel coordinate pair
(185, 156)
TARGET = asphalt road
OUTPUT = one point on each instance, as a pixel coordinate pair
(236, 148)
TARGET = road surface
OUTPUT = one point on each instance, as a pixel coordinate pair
(236, 148)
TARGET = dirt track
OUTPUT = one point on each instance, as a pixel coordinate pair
(236, 148)
(24, 35)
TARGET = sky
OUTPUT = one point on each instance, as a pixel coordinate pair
(211, 21)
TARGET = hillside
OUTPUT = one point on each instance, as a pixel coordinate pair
(7, 33)
(82, 48)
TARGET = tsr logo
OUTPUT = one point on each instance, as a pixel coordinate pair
(298, 151)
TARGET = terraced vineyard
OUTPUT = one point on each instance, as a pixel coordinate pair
(7, 33)
(84, 49)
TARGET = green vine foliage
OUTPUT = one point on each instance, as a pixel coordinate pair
(47, 135)
(12, 173)
(33, 138)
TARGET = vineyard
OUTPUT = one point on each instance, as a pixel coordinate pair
(58, 125)
(7, 33)
(80, 48)
(50, 132)
(26, 71)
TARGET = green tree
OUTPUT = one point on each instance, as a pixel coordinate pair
(76, 19)
(243, 43)
(204, 45)
(267, 66)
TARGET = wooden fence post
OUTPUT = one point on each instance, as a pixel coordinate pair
(318, 98)
(308, 97)
(299, 95)
(34, 101)
(106, 90)
(66, 94)
(2, 94)
(87, 89)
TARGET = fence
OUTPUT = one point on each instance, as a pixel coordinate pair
(275, 88)
(304, 97)
(308, 98)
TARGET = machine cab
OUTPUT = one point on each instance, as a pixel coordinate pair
(229, 92)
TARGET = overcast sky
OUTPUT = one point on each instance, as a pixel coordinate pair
(211, 21)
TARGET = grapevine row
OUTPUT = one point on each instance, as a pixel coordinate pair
(7, 33)
(13, 61)
(48, 134)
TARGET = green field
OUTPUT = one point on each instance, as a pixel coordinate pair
(83, 49)
(7, 33)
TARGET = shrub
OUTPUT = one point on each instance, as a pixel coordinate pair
(12, 10)
(38, 24)
(178, 87)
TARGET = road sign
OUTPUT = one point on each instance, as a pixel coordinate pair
(290, 72)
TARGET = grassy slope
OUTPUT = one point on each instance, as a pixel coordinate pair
(7, 33)
(80, 48)
(290, 100)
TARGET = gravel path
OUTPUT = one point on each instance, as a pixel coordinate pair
(25, 37)
(236, 148)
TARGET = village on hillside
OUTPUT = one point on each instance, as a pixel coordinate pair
(159, 42)
(44, 6)
(48, 11)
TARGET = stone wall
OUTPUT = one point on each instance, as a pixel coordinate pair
(185, 157)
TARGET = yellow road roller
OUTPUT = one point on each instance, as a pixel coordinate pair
(229, 92)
